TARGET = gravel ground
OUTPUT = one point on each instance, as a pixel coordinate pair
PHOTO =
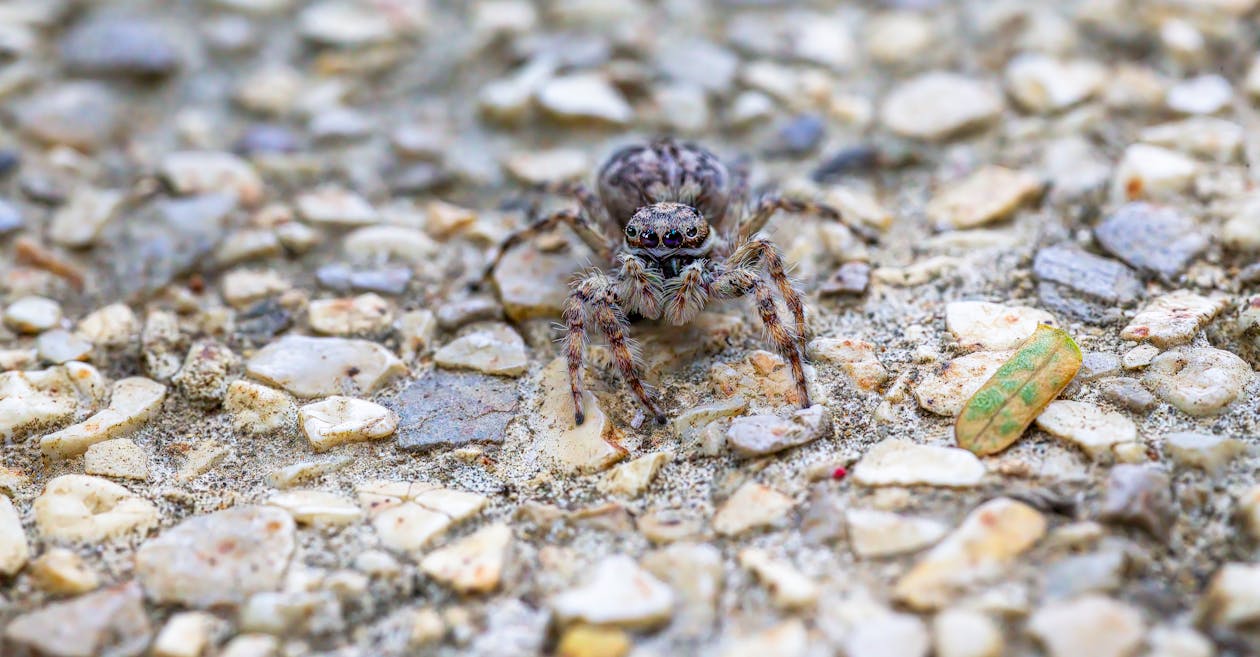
(258, 398)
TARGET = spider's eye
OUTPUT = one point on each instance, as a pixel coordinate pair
(691, 232)
(631, 232)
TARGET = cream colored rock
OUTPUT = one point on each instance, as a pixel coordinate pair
(1152, 172)
(618, 592)
(966, 633)
(888, 634)
(897, 462)
(186, 634)
(218, 559)
(582, 98)
(789, 588)
(989, 194)
(539, 167)
(633, 478)
(319, 367)
(497, 349)
(874, 534)
(1200, 136)
(1090, 625)
(317, 507)
(752, 506)
(60, 571)
(41, 399)
(336, 206)
(251, 645)
(1043, 84)
(1232, 599)
(408, 516)
(983, 326)
(78, 223)
(132, 402)
(364, 314)
(340, 420)
(119, 457)
(291, 475)
(257, 409)
(114, 325)
(1173, 319)
(958, 103)
(391, 242)
(898, 37)
(946, 390)
(1139, 356)
(244, 287)
(788, 638)
(201, 459)
(91, 509)
(106, 623)
(1168, 641)
(855, 357)
(979, 550)
(1249, 511)
(1211, 453)
(204, 172)
(694, 571)
(1094, 430)
(14, 550)
(473, 564)
(1198, 380)
(592, 446)
(32, 314)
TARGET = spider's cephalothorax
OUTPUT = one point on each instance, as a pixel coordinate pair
(676, 228)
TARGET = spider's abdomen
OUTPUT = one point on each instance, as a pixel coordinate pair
(664, 171)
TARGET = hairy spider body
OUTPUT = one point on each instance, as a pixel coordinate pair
(676, 228)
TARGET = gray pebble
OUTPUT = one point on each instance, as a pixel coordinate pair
(119, 45)
(10, 217)
(1128, 394)
(1153, 239)
(454, 408)
(1140, 496)
(387, 280)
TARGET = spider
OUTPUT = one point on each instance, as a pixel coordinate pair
(685, 234)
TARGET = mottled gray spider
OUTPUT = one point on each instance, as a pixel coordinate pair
(688, 235)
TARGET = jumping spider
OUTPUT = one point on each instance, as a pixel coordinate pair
(688, 235)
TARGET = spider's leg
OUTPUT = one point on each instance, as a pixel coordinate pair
(640, 287)
(686, 294)
(761, 255)
(741, 281)
(590, 203)
(737, 200)
(595, 297)
(768, 205)
(578, 221)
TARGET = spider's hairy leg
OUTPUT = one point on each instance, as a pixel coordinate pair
(761, 255)
(738, 282)
(640, 287)
(578, 221)
(587, 199)
(686, 294)
(594, 297)
(768, 205)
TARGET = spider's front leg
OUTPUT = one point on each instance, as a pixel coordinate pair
(768, 205)
(578, 221)
(740, 281)
(761, 255)
(640, 288)
(595, 298)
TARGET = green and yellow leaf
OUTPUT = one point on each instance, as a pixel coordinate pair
(1011, 399)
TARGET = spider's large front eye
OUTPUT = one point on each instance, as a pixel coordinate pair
(631, 232)
(691, 232)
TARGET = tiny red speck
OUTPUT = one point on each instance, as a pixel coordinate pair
(839, 473)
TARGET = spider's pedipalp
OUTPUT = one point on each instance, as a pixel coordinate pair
(686, 294)
(640, 287)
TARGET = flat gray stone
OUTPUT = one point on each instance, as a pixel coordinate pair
(1151, 238)
(446, 409)
(120, 45)
(1090, 275)
(170, 238)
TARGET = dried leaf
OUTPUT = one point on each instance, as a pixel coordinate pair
(1012, 398)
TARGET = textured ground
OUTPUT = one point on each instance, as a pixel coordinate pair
(185, 187)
